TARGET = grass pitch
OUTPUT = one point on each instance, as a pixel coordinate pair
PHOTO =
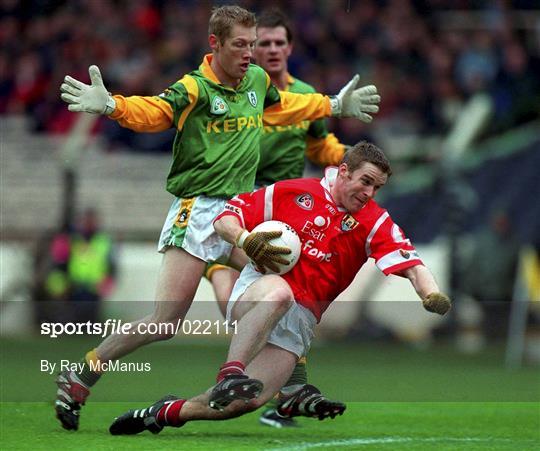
(372, 426)
(397, 397)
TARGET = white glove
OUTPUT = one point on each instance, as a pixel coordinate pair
(90, 99)
(356, 102)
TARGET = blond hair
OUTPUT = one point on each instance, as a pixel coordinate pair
(223, 19)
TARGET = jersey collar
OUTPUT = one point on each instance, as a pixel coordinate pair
(327, 182)
(206, 69)
(290, 81)
(207, 72)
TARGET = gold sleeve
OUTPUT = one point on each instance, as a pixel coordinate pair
(324, 151)
(294, 108)
(143, 113)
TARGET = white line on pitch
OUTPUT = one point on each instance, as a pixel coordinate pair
(380, 441)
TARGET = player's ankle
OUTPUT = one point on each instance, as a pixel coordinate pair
(76, 378)
(229, 368)
(169, 414)
(289, 389)
(90, 364)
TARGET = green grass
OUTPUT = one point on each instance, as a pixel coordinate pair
(397, 397)
(390, 426)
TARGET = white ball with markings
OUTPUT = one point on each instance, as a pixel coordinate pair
(288, 238)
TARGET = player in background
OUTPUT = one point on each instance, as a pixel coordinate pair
(282, 153)
(218, 111)
(277, 314)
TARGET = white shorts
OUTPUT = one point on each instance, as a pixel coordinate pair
(189, 225)
(294, 331)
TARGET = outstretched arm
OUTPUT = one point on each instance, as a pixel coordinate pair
(93, 98)
(286, 107)
(139, 113)
(424, 283)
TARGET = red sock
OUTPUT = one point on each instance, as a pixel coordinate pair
(169, 414)
(232, 367)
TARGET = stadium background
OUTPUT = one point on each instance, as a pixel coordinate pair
(429, 59)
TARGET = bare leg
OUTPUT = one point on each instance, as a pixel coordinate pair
(272, 366)
(178, 280)
(238, 259)
(223, 280)
(257, 315)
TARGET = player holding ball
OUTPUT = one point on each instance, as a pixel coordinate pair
(277, 314)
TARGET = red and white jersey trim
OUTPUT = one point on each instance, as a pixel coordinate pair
(330, 176)
(396, 258)
(373, 231)
(268, 202)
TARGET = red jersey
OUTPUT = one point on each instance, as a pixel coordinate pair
(335, 243)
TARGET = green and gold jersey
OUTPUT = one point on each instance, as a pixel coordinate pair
(216, 148)
(283, 146)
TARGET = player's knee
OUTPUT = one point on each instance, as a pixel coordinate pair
(281, 298)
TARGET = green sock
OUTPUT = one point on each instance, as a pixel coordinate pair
(272, 404)
(87, 375)
(298, 376)
(296, 380)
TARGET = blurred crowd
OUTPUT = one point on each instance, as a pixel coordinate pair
(426, 57)
(75, 269)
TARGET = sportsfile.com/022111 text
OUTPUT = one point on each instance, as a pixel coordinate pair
(186, 327)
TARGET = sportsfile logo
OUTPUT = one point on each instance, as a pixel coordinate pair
(119, 327)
